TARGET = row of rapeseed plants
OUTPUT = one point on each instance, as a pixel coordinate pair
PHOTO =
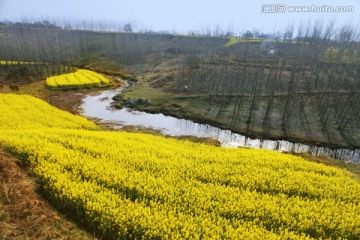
(81, 78)
(139, 186)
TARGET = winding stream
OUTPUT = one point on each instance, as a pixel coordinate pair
(98, 106)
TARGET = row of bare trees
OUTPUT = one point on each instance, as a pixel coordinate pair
(305, 84)
(52, 48)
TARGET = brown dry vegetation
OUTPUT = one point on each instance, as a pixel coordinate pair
(24, 214)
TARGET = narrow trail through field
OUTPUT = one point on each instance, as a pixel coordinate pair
(24, 214)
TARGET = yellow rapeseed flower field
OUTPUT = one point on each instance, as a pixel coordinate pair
(235, 40)
(81, 78)
(4, 62)
(140, 186)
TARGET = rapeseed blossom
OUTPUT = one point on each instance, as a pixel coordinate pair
(131, 185)
(81, 78)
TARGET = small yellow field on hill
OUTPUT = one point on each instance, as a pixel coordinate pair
(4, 62)
(235, 40)
(81, 78)
(139, 186)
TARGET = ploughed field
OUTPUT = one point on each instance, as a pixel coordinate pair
(131, 185)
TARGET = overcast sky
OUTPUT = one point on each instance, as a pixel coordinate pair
(179, 15)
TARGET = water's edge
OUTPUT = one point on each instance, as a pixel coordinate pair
(98, 106)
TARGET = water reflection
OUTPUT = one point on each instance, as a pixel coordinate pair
(98, 106)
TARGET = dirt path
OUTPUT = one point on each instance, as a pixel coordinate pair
(24, 214)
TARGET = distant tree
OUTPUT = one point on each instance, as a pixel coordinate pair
(127, 27)
(289, 33)
(264, 35)
(248, 34)
(229, 34)
(256, 33)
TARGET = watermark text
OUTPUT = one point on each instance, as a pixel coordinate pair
(282, 8)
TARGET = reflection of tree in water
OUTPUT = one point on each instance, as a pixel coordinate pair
(230, 139)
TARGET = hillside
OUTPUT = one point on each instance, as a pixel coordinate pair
(131, 185)
(301, 89)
